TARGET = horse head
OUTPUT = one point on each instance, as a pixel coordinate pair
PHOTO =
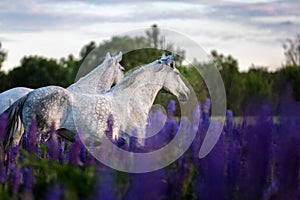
(173, 82)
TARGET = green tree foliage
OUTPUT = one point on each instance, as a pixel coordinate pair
(244, 89)
(193, 77)
(69, 64)
(3, 55)
(258, 84)
(288, 75)
(36, 71)
(232, 78)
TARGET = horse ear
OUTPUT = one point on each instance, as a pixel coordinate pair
(172, 64)
(119, 56)
(107, 56)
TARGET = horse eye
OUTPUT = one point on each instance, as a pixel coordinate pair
(159, 62)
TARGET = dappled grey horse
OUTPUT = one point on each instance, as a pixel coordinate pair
(128, 102)
(51, 104)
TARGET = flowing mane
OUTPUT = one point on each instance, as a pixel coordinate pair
(136, 72)
(130, 79)
(100, 69)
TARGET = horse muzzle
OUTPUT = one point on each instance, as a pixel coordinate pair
(183, 96)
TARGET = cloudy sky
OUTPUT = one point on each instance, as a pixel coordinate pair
(251, 31)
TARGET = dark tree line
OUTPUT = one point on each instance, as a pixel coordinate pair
(244, 90)
(247, 90)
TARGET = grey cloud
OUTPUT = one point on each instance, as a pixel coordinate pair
(37, 16)
(243, 13)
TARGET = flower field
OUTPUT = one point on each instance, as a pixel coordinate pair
(249, 161)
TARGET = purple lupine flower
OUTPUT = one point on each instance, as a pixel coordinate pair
(74, 152)
(287, 147)
(171, 108)
(229, 124)
(288, 154)
(133, 143)
(90, 160)
(15, 180)
(232, 169)
(155, 128)
(12, 154)
(52, 144)
(171, 126)
(109, 130)
(31, 144)
(3, 127)
(210, 182)
(40, 152)
(28, 180)
(3, 173)
(244, 123)
(288, 169)
(24, 141)
(54, 192)
(184, 129)
(162, 127)
(82, 153)
(105, 186)
(256, 168)
(206, 108)
(196, 117)
(61, 156)
(163, 136)
(160, 115)
(152, 187)
(43, 138)
(196, 126)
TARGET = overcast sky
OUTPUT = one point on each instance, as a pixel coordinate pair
(251, 31)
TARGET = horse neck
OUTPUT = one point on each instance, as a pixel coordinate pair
(105, 81)
(99, 80)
